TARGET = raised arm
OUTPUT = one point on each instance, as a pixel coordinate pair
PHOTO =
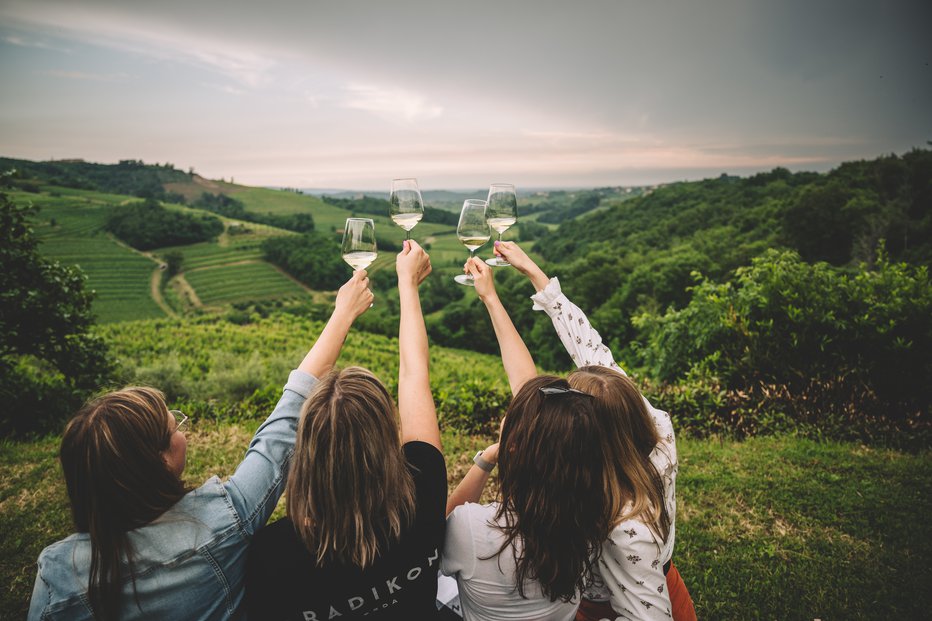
(257, 484)
(582, 342)
(353, 299)
(470, 488)
(415, 402)
(519, 366)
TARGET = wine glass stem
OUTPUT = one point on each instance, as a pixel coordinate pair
(407, 235)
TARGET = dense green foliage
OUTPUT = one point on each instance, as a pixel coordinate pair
(132, 177)
(844, 350)
(148, 225)
(48, 360)
(230, 207)
(380, 207)
(312, 258)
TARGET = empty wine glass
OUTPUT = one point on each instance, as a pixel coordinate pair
(502, 213)
(407, 206)
(473, 231)
(359, 247)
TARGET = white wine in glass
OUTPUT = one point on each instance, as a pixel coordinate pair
(502, 213)
(473, 231)
(407, 206)
(359, 247)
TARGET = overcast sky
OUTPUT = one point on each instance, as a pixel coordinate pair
(349, 94)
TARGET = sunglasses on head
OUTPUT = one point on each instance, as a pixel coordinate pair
(557, 390)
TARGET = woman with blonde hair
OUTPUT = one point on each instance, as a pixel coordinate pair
(148, 546)
(365, 499)
(635, 577)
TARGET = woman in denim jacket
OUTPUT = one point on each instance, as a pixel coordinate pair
(147, 546)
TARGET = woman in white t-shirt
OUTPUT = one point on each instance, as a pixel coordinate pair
(529, 554)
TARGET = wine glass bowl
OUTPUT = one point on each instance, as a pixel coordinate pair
(359, 248)
(502, 213)
(473, 231)
(406, 205)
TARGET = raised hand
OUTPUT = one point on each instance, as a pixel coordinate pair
(482, 275)
(412, 264)
(354, 297)
(512, 253)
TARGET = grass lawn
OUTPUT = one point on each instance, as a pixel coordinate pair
(767, 528)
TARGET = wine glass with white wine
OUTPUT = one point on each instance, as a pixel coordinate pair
(359, 248)
(407, 206)
(502, 213)
(473, 231)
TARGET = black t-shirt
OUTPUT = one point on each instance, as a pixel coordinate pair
(284, 582)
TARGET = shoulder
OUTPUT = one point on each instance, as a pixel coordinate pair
(423, 455)
(472, 519)
(427, 465)
(279, 532)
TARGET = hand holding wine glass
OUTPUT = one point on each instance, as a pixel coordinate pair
(502, 213)
(412, 264)
(407, 206)
(473, 231)
(354, 297)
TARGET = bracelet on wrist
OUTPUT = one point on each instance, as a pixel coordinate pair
(485, 465)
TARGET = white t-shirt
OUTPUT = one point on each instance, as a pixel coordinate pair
(485, 578)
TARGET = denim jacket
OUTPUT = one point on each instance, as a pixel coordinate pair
(190, 562)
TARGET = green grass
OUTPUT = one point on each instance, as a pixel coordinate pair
(771, 528)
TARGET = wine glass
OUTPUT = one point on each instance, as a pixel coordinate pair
(359, 249)
(502, 213)
(473, 231)
(407, 206)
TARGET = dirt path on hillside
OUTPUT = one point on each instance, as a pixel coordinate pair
(155, 290)
(186, 291)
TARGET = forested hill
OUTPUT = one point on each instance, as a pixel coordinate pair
(131, 177)
(642, 253)
(836, 217)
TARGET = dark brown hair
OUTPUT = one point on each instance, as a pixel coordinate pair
(349, 491)
(552, 509)
(117, 480)
(632, 482)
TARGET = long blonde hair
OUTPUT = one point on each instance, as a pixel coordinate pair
(349, 492)
(632, 482)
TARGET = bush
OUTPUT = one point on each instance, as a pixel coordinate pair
(472, 407)
(148, 225)
(825, 343)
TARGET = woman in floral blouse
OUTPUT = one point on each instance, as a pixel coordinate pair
(635, 575)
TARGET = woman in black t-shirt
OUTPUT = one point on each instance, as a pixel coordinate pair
(366, 512)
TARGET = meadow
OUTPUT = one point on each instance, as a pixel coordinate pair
(768, 528)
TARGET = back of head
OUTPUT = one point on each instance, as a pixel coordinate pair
(551, 486)
(117, 479)
(632, 483)
(349, 491)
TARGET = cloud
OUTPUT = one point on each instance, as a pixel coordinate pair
(92, 77)
(391, 103)
(145, 36)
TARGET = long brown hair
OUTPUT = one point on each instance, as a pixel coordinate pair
(349, 491)
(117, 480)
(551, 468)
(632, 482)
